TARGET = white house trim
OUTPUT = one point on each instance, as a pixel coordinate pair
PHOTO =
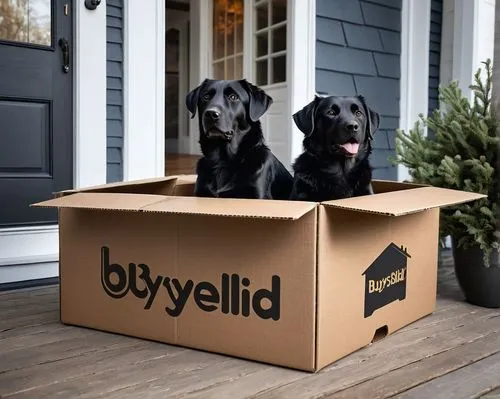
(200, 15)
(473, 39)
(89, 105)
(414, 84)
(28, 271)
(28, 253)
(301, 64)
(144, 78)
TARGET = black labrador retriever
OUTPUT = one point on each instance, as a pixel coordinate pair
(236, 162)
(337, 144)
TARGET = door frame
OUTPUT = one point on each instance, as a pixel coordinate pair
(182, 26)
(32, 252)
(301, 45)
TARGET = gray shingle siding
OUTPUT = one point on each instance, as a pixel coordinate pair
(114, 90)
(358, 47)
(435, 53)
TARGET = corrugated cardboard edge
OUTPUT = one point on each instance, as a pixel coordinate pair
(252, 209)
(315, 367)
(405, 202)
(111, 186)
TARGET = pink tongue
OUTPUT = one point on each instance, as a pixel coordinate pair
(351, 148)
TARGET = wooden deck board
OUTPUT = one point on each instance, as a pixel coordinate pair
(494, 394)
(455, 352)
(425, 370)
(480, 377)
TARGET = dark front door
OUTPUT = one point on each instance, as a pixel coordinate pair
(36, 152)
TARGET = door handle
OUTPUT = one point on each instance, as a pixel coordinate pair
(63, 43)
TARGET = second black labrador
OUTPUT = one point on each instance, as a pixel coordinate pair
(337, 144)
(236, 162)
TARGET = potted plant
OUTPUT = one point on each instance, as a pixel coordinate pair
(462, 153)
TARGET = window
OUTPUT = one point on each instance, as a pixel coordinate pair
(227, 42)
(26, 21)
(270, 41)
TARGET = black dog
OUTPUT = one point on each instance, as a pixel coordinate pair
(236, 162)
(337, 144)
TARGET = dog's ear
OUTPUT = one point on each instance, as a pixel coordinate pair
(373, 119)
(304, 119)
(259, 101)
(192, 98)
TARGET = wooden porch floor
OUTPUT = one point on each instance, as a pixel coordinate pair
(180, 164)
(454, 353)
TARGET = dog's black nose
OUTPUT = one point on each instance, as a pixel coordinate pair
(212, 114)
(352, 126)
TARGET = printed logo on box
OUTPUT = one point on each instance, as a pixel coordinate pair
(233, 296)
(385, 278)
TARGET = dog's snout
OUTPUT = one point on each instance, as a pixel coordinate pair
(213, 114)
(352, 126)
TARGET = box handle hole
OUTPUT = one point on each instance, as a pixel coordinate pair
(381, 333)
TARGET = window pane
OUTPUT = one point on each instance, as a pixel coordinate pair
(227, 37)
(278, 11)
(261, 16)
(262, 72)
(238, 67)
(172, 50)
(239, 29)
(219, 22)
(279, 39)
(218, 70)
(279, 69)
(27, 21)
(230, 27)
(262, 44)
(229, 69)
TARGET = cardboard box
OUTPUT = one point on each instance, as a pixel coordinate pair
(295, 284)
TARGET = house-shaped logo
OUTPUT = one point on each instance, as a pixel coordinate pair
(385, 278)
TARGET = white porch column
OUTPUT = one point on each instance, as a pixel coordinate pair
(144, 89)
(473, 38)
(302, 60)
(414, 83)
(496, 63)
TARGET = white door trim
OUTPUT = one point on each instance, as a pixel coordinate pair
(414, 81)
(199, 58)
(28, 253)
(32, 252)
(144, 89)
(180, 20)
(301, 64)
(89, 107)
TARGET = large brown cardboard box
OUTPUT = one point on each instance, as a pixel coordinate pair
(296, 284)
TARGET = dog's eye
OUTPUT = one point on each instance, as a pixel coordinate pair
(233, 97)
(205, 97)
(331, 112)
(358, 113)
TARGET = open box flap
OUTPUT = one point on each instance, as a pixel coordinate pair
(404, 202)
(165, 185)
(104, 201)
(262, 209)
(246, 208)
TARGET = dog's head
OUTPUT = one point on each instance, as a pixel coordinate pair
(337, 125)
(227, 107)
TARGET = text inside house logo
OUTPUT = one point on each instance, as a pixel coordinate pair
(233, 295)
(385, 278)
